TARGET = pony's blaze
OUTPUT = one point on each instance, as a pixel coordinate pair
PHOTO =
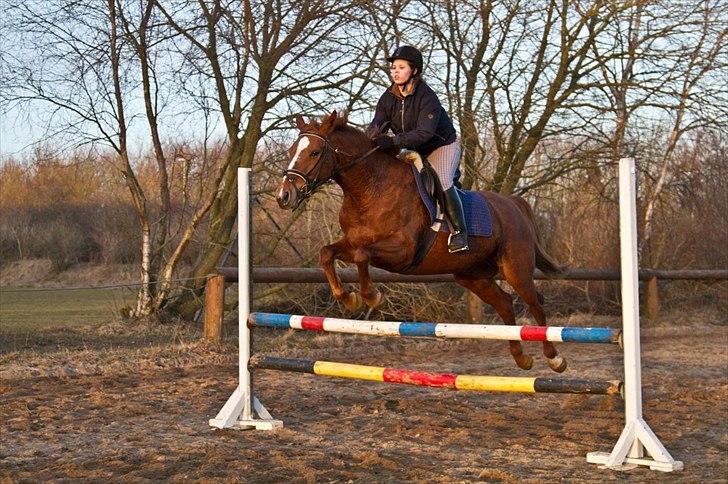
(287, 194)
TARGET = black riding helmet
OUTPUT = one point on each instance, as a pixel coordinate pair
(410, 54)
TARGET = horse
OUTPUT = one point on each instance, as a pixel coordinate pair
(382, 220)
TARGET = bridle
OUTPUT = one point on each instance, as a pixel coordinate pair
(311, 185)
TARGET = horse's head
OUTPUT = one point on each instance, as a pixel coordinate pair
(312, 160)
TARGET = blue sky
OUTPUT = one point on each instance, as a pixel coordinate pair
(16, 135)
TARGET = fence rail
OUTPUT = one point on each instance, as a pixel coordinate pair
(316, 275)
(215, 291)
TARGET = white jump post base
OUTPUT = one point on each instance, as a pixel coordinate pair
(229, 415)
(637, 445)
(243, 410)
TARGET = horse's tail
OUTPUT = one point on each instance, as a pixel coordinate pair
(544, 261)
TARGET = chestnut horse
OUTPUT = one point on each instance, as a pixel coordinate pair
(382, 219)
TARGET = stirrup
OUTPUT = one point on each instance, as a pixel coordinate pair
(458, 249)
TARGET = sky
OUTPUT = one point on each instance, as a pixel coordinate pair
(16, 135)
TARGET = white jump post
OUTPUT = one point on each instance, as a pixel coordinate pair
(637, 437)
(243, 410)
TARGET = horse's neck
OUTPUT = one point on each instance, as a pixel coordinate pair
(367, 183)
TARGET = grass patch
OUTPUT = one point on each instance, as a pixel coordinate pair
(25, 311)
(68, 321)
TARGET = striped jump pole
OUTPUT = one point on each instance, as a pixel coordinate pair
(439, 330)
(479, 383)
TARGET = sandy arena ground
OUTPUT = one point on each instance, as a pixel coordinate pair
(141, 413)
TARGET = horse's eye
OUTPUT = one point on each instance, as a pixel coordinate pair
(315, 153)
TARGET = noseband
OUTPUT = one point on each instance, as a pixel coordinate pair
(309, 185)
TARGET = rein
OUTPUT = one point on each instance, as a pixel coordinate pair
(310, 186)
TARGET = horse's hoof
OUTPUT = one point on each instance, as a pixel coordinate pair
(374, 300)
(525, 362)
(353, 301)
(557, 363)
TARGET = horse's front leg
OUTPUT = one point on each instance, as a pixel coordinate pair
(368, 291)
(328, 254)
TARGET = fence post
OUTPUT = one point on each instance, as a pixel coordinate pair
(652, 298)
(473, 308)
(214, 307)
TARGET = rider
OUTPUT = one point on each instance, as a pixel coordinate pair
(420, 123)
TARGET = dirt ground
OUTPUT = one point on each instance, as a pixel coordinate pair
(139, 412)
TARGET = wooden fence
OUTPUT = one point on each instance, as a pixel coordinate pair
(215, 290)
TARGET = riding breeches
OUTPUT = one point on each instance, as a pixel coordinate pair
(445, 160)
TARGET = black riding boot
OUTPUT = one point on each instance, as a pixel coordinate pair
(458, 239)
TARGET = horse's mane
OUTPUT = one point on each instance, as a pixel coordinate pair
(355, 137)
(355, 140)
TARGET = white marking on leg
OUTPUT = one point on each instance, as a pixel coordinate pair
(556, 361)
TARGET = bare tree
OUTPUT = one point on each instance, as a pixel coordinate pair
(662, 60)
(82, 75)
(259, 57)
(697, 99)
(510, 70)
(466, 32)
(538, 90)
(249, 64)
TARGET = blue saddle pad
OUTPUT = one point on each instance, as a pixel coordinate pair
(477, 212)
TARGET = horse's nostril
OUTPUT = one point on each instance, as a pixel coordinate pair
(283, 197)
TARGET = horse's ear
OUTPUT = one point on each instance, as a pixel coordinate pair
(300, 123)
(328, 124)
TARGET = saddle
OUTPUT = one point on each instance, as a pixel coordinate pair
(430, 186)
(475, 207)
(430, 181)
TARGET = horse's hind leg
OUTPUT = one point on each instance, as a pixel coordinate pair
(526, 289)
(502, 302)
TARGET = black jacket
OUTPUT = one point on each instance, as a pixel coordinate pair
(418, 120)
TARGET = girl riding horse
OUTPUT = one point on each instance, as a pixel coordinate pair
(411, 109)
(383, 221)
